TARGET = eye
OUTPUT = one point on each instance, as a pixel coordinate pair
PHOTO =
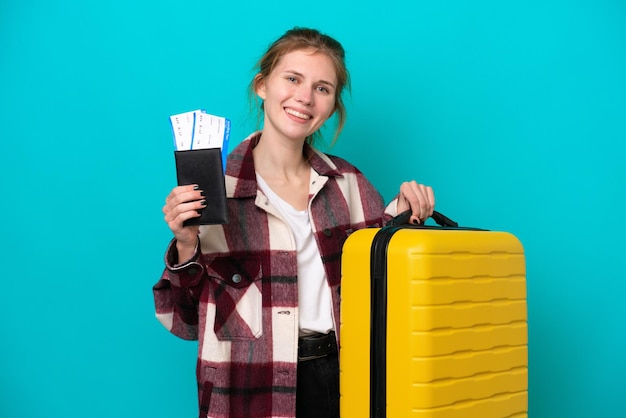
(323, 89)
(292, 79)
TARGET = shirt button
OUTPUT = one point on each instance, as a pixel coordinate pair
(192, 271)
(236, 278)
(328, 232)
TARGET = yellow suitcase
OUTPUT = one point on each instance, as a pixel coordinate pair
(433, 323)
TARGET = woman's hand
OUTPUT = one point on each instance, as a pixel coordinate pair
(417, 197)
(184, 202)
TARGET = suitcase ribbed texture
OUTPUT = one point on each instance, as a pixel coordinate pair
(456, 330)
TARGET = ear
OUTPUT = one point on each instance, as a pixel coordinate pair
(259, 86)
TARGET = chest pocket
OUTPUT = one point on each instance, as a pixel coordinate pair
(238, 297)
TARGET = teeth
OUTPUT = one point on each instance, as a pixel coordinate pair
(298, 114)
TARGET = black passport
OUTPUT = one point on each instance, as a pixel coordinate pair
(204, 168)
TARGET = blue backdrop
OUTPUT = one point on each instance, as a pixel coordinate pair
(513, 111)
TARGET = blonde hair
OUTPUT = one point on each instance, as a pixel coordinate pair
(299, 39)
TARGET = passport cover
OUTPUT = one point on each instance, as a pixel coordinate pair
(204, 168)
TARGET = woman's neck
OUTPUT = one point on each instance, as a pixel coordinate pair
(285, 169)
(275, 158)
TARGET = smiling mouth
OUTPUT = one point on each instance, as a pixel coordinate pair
(298, 114)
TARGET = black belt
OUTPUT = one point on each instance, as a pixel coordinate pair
(315, 346)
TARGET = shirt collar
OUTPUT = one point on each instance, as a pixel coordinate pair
(241, 176)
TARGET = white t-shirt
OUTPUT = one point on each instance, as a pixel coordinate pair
(314, 298)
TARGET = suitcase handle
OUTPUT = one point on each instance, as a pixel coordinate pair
(439, 218)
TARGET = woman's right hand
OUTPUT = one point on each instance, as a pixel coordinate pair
(184, 202)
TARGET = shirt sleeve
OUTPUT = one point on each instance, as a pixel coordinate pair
(177, 293)
(391, 210)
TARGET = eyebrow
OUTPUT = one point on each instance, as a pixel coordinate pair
(328, 83)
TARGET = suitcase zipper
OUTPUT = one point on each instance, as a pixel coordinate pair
(378, 329)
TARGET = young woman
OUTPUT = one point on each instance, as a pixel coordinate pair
(261, 293)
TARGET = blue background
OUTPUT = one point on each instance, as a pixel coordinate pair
(513, 111)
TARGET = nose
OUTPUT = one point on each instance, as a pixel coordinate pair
(304, 95)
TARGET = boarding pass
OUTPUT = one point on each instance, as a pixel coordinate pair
(200, 130)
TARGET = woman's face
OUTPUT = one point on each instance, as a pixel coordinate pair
(298, 95)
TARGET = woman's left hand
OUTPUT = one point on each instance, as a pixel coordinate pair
(417, 197)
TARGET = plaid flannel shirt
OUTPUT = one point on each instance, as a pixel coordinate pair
(238, 294)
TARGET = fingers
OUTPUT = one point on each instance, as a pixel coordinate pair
(419, 198)
(183, 203)
(182, 194)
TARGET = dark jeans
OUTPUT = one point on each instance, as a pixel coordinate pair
(317, 394)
